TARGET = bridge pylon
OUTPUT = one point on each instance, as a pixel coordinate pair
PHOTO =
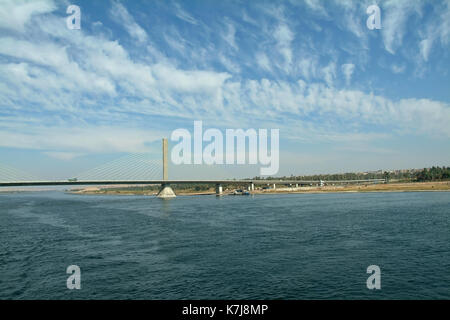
(166, 191)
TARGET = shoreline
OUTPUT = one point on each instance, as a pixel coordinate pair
(369, 188)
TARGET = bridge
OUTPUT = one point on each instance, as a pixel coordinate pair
(166, 189)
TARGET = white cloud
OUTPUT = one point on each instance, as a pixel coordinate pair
(398, 68)
(329, 73)
(263, 61)
(189, 81)
(98, 67)
(84, 93)
(284, 36)
(347, 70)
(248, 19)
(66, 156)
(119, 12)
(417, 116)
(307, 67)
(183, 15)
(438, 29)
(444, 24)
(354, 21)
(175, 41)
(229, 64)
(50, 54)
(317, 6)
(425, 48)
(15, 14)
(229, 35)
(395, 14)
(72, 142)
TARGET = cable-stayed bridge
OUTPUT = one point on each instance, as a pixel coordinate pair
(138, 169)
(130, 167)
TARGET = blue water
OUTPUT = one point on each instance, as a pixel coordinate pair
(292, 246)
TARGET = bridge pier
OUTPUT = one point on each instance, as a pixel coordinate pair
(219, 189)
(274, 186)
(252, 187)
(166, 191)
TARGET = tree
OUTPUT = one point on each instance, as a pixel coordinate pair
(387, 176)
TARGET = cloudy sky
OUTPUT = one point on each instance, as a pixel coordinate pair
(344, 97)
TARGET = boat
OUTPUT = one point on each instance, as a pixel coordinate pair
(240, 192)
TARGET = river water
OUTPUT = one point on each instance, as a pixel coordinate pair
(290, 246)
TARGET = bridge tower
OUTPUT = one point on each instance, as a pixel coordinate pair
(166, 191)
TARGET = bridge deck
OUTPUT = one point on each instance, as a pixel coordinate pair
(140, 182)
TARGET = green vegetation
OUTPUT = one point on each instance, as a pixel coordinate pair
(406, 175)
(433, 174)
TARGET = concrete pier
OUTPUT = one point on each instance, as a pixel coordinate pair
(219, 190)
(165, 146)
(166, 191)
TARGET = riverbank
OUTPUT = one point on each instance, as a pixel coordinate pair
(390, 187)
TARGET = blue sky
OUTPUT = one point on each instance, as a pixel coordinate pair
(344, 97)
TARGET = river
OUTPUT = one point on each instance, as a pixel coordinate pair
(284, 246)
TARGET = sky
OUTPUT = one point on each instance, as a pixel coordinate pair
(344, 98)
